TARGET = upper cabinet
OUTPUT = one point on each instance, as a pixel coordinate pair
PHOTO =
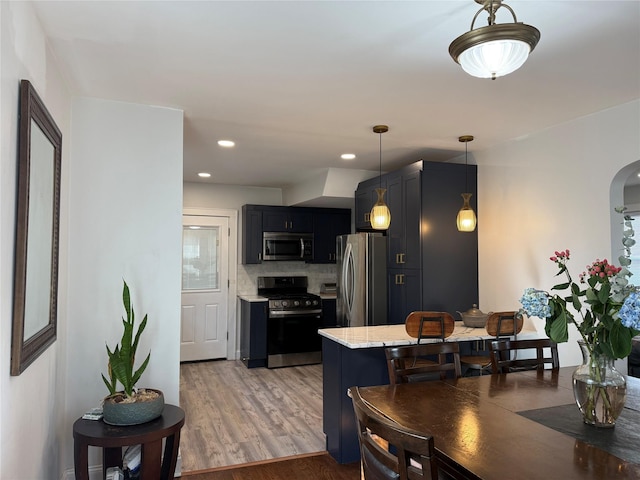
(366, 197)
(324, 223)
(251, 234)
(287, 219)
(327, 225)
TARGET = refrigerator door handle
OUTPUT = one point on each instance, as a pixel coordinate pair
(347, 281)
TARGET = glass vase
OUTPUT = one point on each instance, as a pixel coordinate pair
(599, 389)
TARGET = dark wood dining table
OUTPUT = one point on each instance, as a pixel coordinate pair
(514, 426)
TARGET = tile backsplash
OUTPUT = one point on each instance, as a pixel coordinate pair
(316, 273)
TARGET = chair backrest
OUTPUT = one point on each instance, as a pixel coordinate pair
(405, 366)
(503, 324)
(423, 325)
(414, 452)
(503, 361)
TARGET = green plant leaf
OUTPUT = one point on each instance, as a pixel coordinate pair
(110, 387)
(141, 370)
(603, 294)
(140, 330)
(561, 286)
(558, 332)
(620, 340)
(126, 299)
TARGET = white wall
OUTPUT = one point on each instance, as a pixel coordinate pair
(546, 192)
(125, 223)
(33, 426)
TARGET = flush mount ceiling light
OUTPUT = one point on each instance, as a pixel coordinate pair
(466, 220)
(497, 49)
(380, 217)
(348, 156)
(226, 143)
(204, 175)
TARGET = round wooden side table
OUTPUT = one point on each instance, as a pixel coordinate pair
(112, 438)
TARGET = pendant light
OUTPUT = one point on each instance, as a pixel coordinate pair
(497, 49)
(466, 220)
(380, 216)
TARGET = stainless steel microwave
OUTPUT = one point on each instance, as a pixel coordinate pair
(287, 246)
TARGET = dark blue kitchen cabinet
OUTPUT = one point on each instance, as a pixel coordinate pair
(287, 219)
(365, 198)
(430, 264)
(404, 288)
(324, 223)
(329, 317)
(251, 234)
(253, 333)
(449, 257)
(327, 225)
(404, 201)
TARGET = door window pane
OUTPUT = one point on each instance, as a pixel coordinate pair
(200, 253)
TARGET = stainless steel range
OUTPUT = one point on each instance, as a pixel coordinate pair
(294, 317)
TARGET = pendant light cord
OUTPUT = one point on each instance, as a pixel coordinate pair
(466, 167)
(380, 175)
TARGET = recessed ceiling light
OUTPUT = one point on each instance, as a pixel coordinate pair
(204, 174)
(348, 156)
(226, 143)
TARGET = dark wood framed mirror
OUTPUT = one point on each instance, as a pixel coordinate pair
(37, 225)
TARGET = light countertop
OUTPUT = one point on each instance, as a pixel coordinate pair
(395, 335)
(252, 298)
(260, 298)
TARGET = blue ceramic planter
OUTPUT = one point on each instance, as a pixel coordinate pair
(119, 413)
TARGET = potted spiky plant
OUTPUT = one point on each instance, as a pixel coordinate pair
(129, 406)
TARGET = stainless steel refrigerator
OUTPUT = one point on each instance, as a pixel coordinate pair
(362, 279)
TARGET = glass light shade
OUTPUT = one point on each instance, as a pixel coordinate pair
(466, 220)
(494, 59)
(380, 215)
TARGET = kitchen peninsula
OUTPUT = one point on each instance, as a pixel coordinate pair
(354, 356)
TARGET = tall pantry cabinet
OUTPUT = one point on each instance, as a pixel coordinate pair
(430, 265)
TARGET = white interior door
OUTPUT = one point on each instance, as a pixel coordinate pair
(205, 284)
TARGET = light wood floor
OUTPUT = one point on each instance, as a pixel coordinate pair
(236, 415)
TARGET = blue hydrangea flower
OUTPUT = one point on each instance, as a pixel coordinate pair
(536, 303)
(630, 312)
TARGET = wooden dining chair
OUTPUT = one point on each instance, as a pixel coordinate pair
(411, 455)
(499, 324)
(505, 358)
(429, 325)
(405, 362)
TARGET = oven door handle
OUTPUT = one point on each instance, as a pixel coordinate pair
(295, 313)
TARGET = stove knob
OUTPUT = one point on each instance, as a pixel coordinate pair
(285, 304)
(307, 303)
(296, 303)
(315, 302)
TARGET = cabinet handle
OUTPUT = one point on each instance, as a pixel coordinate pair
(367, 217)
(399, 258)
(402, 258)
(399, 278)
(260, 256)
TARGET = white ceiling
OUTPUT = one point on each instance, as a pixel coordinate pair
(297, 83)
